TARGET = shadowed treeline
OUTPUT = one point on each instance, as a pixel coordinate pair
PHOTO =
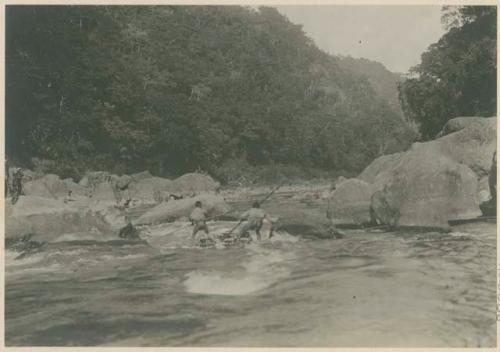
(230, 90)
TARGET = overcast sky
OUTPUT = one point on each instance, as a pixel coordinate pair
(396, 36)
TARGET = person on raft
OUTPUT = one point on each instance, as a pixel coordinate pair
(255, 219)
(198, 218)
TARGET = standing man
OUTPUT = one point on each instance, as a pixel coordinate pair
(17, 185)
(198, 217)
(7, 183)
(121, 189)
(255, 219)
(492, 179)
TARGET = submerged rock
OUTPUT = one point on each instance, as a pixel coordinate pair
(23, 244)
(129, 232)
(175, 209)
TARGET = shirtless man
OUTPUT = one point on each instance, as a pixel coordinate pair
(198, 217)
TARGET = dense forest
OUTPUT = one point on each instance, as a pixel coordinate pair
(237, 92)
(224, 89)
(383, 81)
(457, 75)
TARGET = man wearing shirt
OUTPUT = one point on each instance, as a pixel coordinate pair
(255, 218)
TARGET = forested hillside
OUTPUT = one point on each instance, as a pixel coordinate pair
(178, 88)
(457, 75)
(382, 80)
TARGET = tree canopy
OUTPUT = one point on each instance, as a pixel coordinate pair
(178, 88)
(457, 75)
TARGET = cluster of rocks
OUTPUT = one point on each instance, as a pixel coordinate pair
(100, 185)
(427, 186)
(56, 209)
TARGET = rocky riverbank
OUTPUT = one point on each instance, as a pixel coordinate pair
(97, 207)
(52, 209)
(429, 185)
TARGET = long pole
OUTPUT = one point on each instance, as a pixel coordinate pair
(262, 201)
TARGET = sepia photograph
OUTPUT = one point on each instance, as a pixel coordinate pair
(306, 175)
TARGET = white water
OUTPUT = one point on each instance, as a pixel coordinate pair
(368, 289)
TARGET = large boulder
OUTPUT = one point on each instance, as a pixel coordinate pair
(175, 209)
(382, 165)
(36, 188)
(75, 188)
(349, 203)
(139, 176)
(93, 178)
(50, 186)
(473, 145)
(436, 181)
(378, 173)
(151, 189)
(465, 140)
(121, 182)
(426, 190)
(459, 123)
(50, 218)
(57, 187)
(104, 192)
(194, 183)
(31, 175)
(99, 185)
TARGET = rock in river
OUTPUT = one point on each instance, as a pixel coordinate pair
(426, 190)
(428, 185)
(175, 209)
(350, 202)
(194, 183)
(50, 218)
(149, 189)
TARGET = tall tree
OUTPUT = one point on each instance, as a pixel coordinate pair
(457, 75)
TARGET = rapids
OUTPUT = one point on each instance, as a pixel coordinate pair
(385, 289)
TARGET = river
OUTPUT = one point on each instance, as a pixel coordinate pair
(381, 289)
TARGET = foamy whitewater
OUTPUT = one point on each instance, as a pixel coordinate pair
(367, 289)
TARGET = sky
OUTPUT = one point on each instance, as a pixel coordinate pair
(396, 36)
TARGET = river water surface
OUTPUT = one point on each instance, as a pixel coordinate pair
(383, 289)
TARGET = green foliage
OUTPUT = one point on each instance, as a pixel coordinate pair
(178, 88)
(384, 82)
(457, 75)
